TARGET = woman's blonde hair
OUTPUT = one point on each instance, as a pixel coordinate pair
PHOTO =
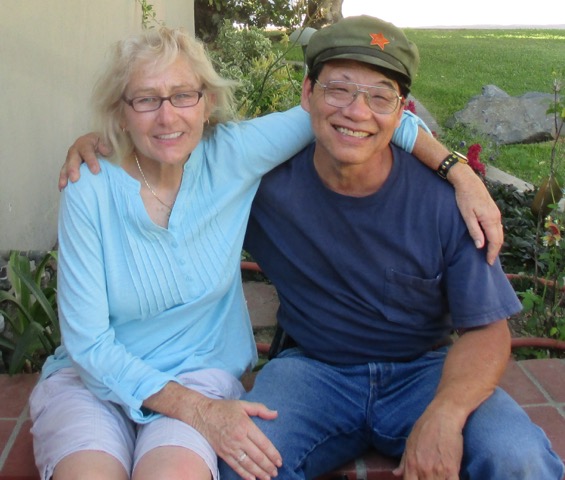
(162, 47)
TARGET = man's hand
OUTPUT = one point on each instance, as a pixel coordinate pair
(84, 149)
(472, 369)
(235, 438)
(478, 209)
(433, 451)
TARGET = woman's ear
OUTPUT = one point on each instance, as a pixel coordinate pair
(210, 99)
(122, 121)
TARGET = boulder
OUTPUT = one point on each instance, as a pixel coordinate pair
(506, 119)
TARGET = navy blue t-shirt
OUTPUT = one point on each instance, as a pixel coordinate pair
(378, 278)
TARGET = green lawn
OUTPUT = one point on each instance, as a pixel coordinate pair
(456, 64)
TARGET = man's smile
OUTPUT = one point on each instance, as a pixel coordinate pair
(352, 133)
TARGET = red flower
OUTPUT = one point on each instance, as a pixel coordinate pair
(410, 106)
(473, 155)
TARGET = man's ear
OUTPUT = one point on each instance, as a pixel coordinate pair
(400, 113)
(306, 94)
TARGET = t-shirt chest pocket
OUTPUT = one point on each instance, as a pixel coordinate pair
(412, 300)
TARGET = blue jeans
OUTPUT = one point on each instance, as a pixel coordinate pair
(329, 415)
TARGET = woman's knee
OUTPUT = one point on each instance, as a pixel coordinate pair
(171, 463)
(90, 465)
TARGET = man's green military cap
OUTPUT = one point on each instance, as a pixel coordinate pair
(365, 39)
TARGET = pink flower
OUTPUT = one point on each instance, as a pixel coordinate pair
(473, 155)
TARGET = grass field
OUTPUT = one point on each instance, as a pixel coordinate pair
(456, 64)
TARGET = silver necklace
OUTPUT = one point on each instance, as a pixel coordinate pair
(170, 207)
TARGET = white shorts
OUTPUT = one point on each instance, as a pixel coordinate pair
(68, 418)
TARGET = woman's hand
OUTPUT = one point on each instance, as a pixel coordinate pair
(226, 425)
(479, 210)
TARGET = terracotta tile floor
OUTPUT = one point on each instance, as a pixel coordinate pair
(538, 385)
(16, 453)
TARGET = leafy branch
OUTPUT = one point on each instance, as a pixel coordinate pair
(558, 110)
(148, 15)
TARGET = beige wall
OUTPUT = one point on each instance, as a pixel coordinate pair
(50, 51)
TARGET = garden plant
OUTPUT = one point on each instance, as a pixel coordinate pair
(534, 254)
(29, 310)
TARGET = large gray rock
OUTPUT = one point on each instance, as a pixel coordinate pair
(507, 119)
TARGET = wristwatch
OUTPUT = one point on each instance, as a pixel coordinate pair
(449, 161)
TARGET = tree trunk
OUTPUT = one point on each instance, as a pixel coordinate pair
(323, 12)
(206, 20)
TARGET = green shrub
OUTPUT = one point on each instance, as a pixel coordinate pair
(267, 83)
(518, 253)
(29, 310)
(534, 252)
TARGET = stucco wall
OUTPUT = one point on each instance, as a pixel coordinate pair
(50, 51)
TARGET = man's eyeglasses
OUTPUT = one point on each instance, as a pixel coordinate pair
(342, 94)
(150, 104)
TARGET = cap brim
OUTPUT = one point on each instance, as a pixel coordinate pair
(360, 57)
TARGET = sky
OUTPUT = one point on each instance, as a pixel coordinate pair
(431, 13)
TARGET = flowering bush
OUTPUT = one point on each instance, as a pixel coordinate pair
(545, 299)
(473, 155)
(410, 106)
(553, 232)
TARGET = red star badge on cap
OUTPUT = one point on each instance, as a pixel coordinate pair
(378, 39)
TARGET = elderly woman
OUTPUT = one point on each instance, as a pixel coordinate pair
(154, 323)
(156, 333)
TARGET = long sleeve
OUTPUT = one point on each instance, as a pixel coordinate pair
(106, 366)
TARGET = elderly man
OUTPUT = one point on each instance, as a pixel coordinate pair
(375, 270)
